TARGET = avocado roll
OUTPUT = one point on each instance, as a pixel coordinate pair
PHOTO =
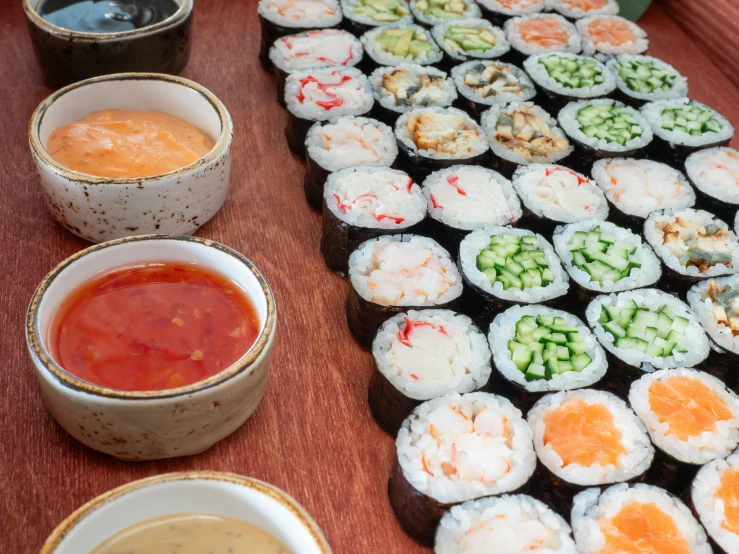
(392, 45)
(577, 9)
(611, 35)
(714, 173)
(433, 12)
(453, 449)
(714, 495)
(541, 33)
(500, 11)
(467, 39)
(642, 79)
(486, 83)
(361, 16)
(420, 355)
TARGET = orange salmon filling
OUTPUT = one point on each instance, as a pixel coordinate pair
(583, 434)
(642, 529)
(586, 5)
(522, 4)
(544, 31)
(610, 31)
(687, 406)
(728, 492)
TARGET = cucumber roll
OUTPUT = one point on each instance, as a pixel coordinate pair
(692, 418)
(420, 355)
(318, 95)
(537, 350)
(506, 524)
(714, 495)
(361, 203)
(540, 34)
(642, 79)
(714, 172)
(391, 274)
(577, 9)
(453, 449)
(433, 12)
(363, 15)
(611, 35)
(500, 11)
(395, 44)
(467, 39)
(486, 83)
(463, 198)
(502, 266)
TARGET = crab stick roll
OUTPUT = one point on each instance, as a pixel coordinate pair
(502, 266)
(642, 79)
(391, 274)
(463, 198)
(541, 34)
(466, 39)
(500, 11)
(420, 355)
(434, 12)
(363, 15)
(611, 35)
(586, 438)
(714, 173)
(453, 449)
(486, 83)
(692, 418)
(714, 496)
(577, 9)
(635, 519)
(392, 45)
(506, 524)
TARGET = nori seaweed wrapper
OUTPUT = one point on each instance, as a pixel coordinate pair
(516, 393)
(553, 102)
(725, 211)
(474, 109)
(419, 167)
(619, 376)
(676, 283)
(296, 130)
(383, 114)
(388, 405)
(447, 236)
(584, 156)
(687, 497)
(634, 223)
(675, 154)
(722, 364)
(281, 77)
(537, 223)
(496, 18)
(669, 473)
(313, 181)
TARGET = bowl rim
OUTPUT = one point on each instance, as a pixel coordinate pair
(41, 356)
(222, 144)
(70, 522)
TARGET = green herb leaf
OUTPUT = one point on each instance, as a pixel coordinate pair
(633, 9)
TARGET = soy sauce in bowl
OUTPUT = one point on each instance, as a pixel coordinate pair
(106, 16)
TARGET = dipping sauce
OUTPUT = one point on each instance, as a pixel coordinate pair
(191, 534)
(153, 327)
(128, 144)
(106, 16)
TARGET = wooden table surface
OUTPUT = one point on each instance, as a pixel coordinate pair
(313, 435)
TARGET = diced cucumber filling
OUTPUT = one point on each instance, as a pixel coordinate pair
(467, 38)
(602, 257)
(609, 123)
(643, 76)
(404, 42)
(573, 72)
(515, 262)
(692, 120)
(442, 9)
(382, 11)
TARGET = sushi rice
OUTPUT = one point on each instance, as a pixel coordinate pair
(301, 14)
(710, 134)
(593, 28)
(427, 51)
(522, 37)
(716, 303)
(441, 134)
(646, 78)
(346, 90)
(576, 9)
(570, 75)
(406, 86)
(715, 172)
(492, 82)
(499, 47)
(716, 512)
(315, 49)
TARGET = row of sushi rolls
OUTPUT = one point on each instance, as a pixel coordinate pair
(521, 168)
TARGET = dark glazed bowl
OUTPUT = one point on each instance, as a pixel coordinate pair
(68, 56)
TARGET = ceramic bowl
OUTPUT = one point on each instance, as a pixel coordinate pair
(208, 492)
(134, 425)
(102, 208)
(68, 56)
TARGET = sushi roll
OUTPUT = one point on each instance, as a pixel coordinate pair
(538, 350)
(714, 495)
(361, 16)
(611, 35)
(343, 142)
(318, 95)
(637, 187)
(463, 198)
(453, 449)
(500, 11)
(313, 49)
(585, 438)
(430, 139)
(642, 79)
(278, 18)
(684, 126)
(540, 34)
(692, 245)
(502, 266)
(468, 39)
(604, 128)
(642, 330)
(563, 78)
(692, 418)
(483, 84)
(577, 9)
(401, 88)
(714, 173)
(636, 518)
(395, 44)
(506, 524)
(433, 12)
(391, 274)
(521, 133)
(420, 355)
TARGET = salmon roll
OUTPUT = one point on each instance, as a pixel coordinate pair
(577, 9)
(466, 39)
(641, 79)
(434, 12)
(541, 34)
(453, 449)
(488, 83)
(420, 355)
(714, 173)
(714, 495)
(500, 11)
(392, 45)
(611, 35)
(585, 438)
(363, 15)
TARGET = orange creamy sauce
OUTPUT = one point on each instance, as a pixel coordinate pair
(642, 529)
(610, 31)
(128, 144)
(583, 434)
(586, 5)
(728, 492)
(544, 31)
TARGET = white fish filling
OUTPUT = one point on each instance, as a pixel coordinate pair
(316, 48)
(710, 508)
(715, 171)
(323, 93)
(592, 46)
(526, 42)
(301, 13)
(405, 86)
(712, 314)
(441, 134)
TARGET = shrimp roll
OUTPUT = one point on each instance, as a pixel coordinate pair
(361, 16)
(585, 438)
(636, 518)
(541, 33)
(642, 79)
(537, 350)
(463, 198)
(483, 84)
(714, 173)
(714, 496)
(434, 12)
(318, 95)
(692, 418)
(453, 449)
(611, 35)
(502, 266)
(500, 11)
(469, 39)
(391, 274)
(420, 355)
(506, 524)
(392, 45)
(577, 9)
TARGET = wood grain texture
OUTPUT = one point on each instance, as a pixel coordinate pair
(313, 435)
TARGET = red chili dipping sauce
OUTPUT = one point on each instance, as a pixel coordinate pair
(153, 327)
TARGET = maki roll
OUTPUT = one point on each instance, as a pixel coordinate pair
(395, 44)
(362, 15)
(685, 126)
(611, 35)
(430, 139)
(541, 34)
(453, 449)
(500, 11)
(636, 518)
(521, 133)
(401, 88)
(537, 350)
(637, 187)
(576, 9)
(604, 128)
(433, 12)
(318, 95)
(391, 274)
(466, 39)
(463, 198)
(714, 496)
(502, 266)
(420, 355)
(692, 418)
(486, 83)
(642, 79)
(714, 172)
(506, 524)
(585, 438)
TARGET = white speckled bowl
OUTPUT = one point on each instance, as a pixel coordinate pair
(147, 425)
(102, 208)
(209, 492)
